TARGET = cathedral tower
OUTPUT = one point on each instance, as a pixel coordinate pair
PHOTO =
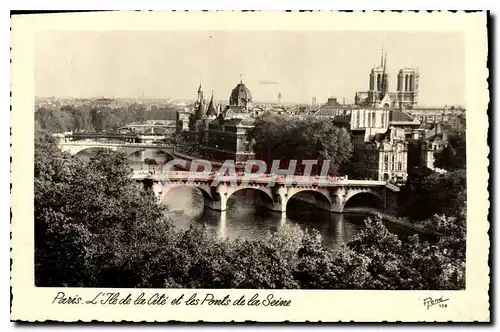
(379, 82)
(407, 92)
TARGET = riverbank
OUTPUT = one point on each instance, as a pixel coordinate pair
(416, 227)
(419, 228)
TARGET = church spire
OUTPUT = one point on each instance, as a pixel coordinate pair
(382, 58)
(385, 79)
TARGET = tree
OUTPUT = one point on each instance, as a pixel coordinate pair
(54, 120)
(412, 263)
(453, 155)
(284, 138)
(323, 268)
(427, 193)
(89, 217)
(268, 263)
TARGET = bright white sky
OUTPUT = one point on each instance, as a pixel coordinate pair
(170, 64)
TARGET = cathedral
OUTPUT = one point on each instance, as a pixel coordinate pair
(379, 95)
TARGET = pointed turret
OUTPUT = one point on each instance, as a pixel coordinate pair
(200, 94)
(211, 111)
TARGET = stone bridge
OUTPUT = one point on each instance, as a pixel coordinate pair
(327, 194)
(76, 147)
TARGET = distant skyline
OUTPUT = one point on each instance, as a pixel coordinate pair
(300, 65)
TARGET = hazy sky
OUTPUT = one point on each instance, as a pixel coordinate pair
(171, 64)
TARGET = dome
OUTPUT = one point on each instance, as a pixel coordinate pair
(240, 95)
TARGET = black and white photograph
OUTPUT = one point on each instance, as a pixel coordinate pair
(250, 159)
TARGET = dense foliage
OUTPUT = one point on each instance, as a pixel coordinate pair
(285, 138)
(89, 118)
(427, 193)
(95, 227)
(453, 155)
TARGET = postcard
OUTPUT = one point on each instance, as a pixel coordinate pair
(250, 166)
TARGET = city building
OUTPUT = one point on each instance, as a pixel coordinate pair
(217, 132)
(384, 156)
(380, 139)
(227, 139)
(454, 116)
(422, 151)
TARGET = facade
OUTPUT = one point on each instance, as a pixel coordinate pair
(379, 94)
(385, 156)
(380, 138)
(227, 139)
(220, 133)
(182, 121)
(434, 139)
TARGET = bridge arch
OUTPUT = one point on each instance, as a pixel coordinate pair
(369, 199)
(207, 196)
(90, 149)
(262, 192)
(322, 199)
(130, 151)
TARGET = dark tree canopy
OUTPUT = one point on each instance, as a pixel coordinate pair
(453, 155)
(89, 118)
(284, 138)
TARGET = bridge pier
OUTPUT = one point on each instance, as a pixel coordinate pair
(338, 201)
(278, 203)
(217, 203)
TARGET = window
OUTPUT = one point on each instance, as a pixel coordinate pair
(399, 166)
